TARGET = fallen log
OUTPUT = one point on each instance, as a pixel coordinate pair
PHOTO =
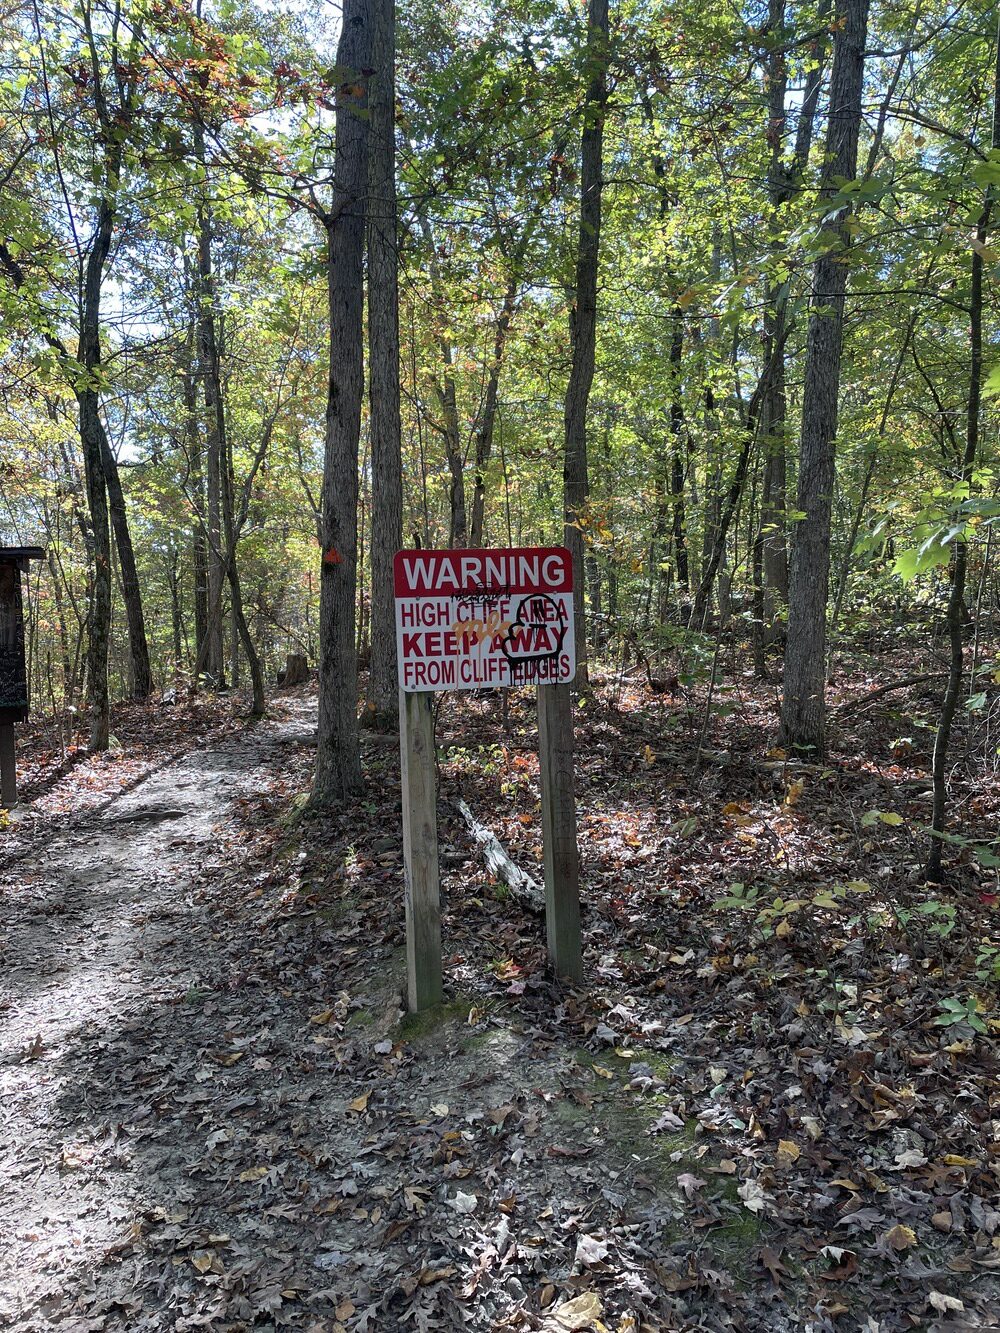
(527, 891)
(866, 699)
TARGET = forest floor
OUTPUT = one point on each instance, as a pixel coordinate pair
(774, 1104)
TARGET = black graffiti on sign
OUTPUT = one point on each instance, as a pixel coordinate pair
(13, 677)
(535, 636)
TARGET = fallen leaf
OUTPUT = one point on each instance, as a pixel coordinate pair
(690, 1184)
(788, 1152)
(900, 1237)
(940, 1301)
(911, 1157)
(668, 1123)
(574, 1315)
(413, 1197)
(754, 1198)
(360, 1103)
(431, 1275)
(590, 1250)
(771, 1260)
(812, 1126)
(254, 1173)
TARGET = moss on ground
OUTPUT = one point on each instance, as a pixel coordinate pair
(436, 1017)
(624, 1119)
(296, 811)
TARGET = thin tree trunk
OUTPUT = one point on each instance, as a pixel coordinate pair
(660, 546)
(338, 763)
(677, 454)
(196, 490)
(449, 427)
(242, 630)
(142, 679)
(713, 485)
(212, 655)
(91, 433)
(727, 510)
(583, 313)
(383, 358)
(173, 575)
(486, 425)
(55, 576)
(959, 564)
(771, 559)
(803, 712)
(222, 534)
(448, 399)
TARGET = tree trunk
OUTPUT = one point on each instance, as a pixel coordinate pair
(677, 455)
(959, 564)
(770, 549)
(383, 358)
(583, 313)
(65, 660)
(142, 679)
(212, 654)
(338, 764)
(176, 623)
(659, 571)
(803, 712)
(196, 488)
(487, 421)
(458, 525)
(258, 704)
(222, 535)
(449, 428)
(91, 434)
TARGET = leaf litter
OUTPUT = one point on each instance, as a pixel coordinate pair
(217, 1115)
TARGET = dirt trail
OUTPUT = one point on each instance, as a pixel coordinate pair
(101, 926)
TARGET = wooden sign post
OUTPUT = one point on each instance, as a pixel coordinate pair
(562, 858)
(420, 850)
(467, 620)
(13, 670)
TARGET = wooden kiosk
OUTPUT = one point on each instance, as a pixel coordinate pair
(13, 668)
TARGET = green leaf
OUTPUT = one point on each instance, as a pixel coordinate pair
(871, 817)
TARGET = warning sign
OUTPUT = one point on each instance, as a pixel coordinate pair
(470, 619)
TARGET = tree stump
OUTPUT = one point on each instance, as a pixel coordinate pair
(296, 669)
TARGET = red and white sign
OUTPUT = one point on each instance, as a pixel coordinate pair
(467, 620)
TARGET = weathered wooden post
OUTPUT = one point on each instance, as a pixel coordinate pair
(562, 858)
(8, 767)
(420, 850)
(465, 620)
(13, 671)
